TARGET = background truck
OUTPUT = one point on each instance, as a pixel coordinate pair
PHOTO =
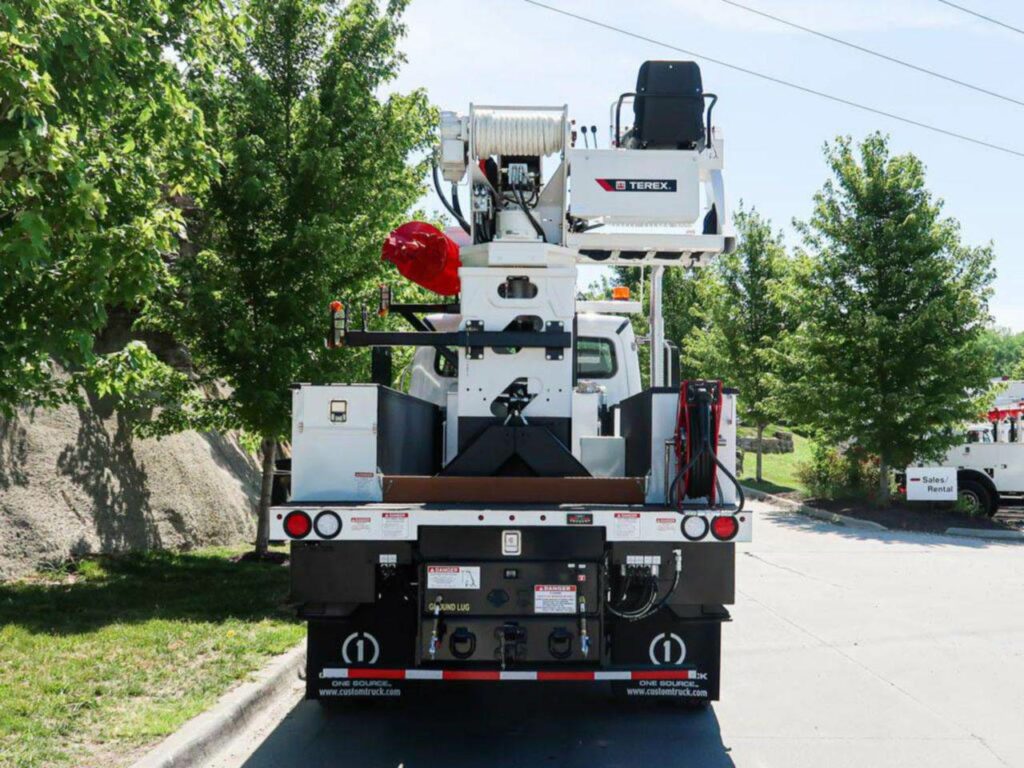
(990, 461)
(527, 510)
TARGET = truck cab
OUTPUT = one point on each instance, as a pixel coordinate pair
(606, 358)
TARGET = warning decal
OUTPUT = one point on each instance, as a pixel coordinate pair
(361, 524)
(627, 525)
(554, 598)
(395, 525)
(453, 577)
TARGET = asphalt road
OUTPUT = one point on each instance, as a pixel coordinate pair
(849, 648)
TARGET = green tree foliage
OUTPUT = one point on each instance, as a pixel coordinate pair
(743, 320)
(1006, 350)
(888, 355)
(679, 288)
(97, 140)
(315, 173)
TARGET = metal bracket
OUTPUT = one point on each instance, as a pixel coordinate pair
(554, 353)
(473, 352)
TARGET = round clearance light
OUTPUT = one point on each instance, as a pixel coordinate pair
(695, 527)
(725, 527)
(297, 524)
(327, 524)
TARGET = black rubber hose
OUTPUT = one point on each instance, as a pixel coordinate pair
(526, 209)
(458, 216)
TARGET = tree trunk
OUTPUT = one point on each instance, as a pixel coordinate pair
(760, 450)
(883, 482)
(268, 449)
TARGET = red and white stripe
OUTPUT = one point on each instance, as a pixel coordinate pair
(369, 673)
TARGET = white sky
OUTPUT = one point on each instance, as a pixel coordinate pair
(507, 51)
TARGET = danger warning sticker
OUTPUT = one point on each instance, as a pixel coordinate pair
(554, 598)
(627, 525)
(453, 577)
(394, 525)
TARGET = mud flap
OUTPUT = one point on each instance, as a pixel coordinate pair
(367, 640)
(667, 643)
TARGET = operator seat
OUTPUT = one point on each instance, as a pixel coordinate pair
(668, 109)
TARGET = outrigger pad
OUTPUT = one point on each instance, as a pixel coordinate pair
(528, 451)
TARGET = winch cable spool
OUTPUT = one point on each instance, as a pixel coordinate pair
(698, 477)
(517, 132)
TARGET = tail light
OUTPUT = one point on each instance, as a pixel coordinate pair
(297, 524)
(327, 524)
(725, 527)
(695, 527)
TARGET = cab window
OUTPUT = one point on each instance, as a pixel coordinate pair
(444, 368)
(595, 358)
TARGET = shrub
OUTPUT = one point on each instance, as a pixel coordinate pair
(826, 475)
(832, 473)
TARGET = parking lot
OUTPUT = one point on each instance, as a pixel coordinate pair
(849, 648)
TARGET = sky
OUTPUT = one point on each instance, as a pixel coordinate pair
(511, 52)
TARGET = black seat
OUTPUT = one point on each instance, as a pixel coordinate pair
(669, 106)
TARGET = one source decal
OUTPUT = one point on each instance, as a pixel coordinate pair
(637, 185)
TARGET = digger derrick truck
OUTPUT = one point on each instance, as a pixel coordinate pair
(527, 511)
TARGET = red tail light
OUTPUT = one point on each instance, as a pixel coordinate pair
(725, 527)
(297, 524)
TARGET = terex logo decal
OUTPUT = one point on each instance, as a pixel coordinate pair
(637, 185)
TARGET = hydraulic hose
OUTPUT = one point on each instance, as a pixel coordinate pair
(526, 209)
(437, 187)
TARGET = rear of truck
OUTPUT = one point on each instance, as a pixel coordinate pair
(399, 591)
(527, 511)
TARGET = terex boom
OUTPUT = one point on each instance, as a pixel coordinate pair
(528, 511)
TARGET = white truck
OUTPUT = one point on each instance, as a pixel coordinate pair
(990, 461)
(527, 511)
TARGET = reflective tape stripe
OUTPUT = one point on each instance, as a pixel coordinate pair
(377, 674)
(468, 674)
(423, 674)
(613, 675)
(488, 675)
(678, 674)
(565, 676)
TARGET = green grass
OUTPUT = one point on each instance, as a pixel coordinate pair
(778, 469)
(112, 655)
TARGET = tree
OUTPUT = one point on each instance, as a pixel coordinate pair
(679, 301)
(744, 320)
(1006, 350)
(315, 174)
(97, 138)
(887, 357)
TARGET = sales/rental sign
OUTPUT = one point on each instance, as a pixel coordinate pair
(931, 483)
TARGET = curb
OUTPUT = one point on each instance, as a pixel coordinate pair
(198, 740)
(986, 533)
(818, 514)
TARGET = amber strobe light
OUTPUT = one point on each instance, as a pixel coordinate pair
(620, 293)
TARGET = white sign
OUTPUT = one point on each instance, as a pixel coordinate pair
(554, 598)
(931, 483)
(453, 577)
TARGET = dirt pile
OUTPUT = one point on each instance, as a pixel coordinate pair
(75, 481)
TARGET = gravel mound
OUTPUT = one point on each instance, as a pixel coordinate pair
(74, 481)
